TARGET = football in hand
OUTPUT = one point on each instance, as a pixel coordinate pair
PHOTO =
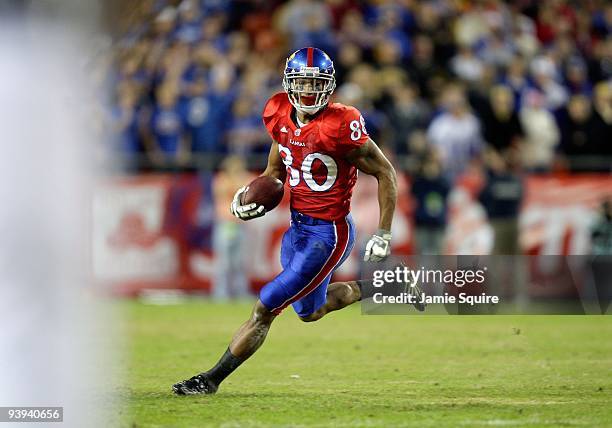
(264, 190)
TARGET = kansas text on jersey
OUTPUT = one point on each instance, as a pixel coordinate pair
(319, 176)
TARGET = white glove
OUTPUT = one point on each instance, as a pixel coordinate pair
(378, 247)
(245, 212)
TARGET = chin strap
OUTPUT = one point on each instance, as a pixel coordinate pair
(305, 110)
(308, 111)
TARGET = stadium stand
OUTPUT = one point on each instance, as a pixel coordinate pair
(530, 80)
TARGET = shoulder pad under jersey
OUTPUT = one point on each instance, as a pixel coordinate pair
(275, 105)
(332, 122)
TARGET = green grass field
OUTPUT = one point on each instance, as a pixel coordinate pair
(388, 371)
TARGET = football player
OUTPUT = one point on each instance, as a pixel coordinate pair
(318, 147)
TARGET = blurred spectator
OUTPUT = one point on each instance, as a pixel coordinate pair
(125, 122)
(354, 30)
(307, 22)
(163, 131)
(430, 192)
(501, 125)
(317, 34)
(364, 76)
(516, 79)
(349, 56)
(205, 115)
(496, 50)
(339, 8)
(602, 21)
(523, 35)
(546, 75)
(213, 34)
(423, 68)
(228, 236)
(238, 51)
(576, 77)
(466, 65)
(541, 133)
(387, 53)
(480, 92)
(578, 127)
(455, 133)
(601, 233)
(554, 19)
(471, 26)
(600, 64)
(190, 21)
(602, 118)
(407, 114)
(245, 134)
(418, 144)
(392, 24)
(501, 198)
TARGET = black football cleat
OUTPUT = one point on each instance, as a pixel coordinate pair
(199, 384)
(415, 291)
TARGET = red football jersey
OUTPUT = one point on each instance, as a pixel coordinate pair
(320, 178)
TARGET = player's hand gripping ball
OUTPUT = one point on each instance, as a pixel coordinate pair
(378, 247)
(258, 197)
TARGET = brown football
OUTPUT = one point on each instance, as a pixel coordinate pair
(264, 190)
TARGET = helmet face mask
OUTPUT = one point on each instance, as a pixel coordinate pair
(309, 88)
(309, 94)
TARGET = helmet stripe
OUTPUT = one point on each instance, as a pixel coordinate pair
(309, 57)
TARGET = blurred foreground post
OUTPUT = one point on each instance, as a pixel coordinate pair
(50, 321)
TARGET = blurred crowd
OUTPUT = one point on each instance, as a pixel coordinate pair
(447, 87)
(528, 81)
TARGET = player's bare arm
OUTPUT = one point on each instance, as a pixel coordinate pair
(275, 167)
(370, 159)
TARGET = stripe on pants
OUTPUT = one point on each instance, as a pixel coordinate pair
(342, 239)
